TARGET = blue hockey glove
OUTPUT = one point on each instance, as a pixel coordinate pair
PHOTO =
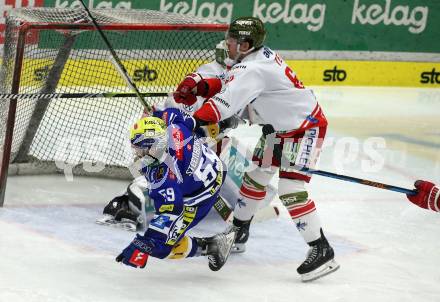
(136, 254)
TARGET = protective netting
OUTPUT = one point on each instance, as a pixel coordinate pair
(59, 56)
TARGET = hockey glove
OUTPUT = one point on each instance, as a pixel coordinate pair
(231, 123)
(189, 88)
(136, 254)
(427, 197)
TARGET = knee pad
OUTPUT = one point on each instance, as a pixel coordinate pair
(295, 198)
(254, 183)
(292, 192)
(261, 176)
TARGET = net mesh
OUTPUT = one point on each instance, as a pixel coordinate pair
(62, 58)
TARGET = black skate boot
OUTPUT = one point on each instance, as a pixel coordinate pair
(217, 248)
(116, 204)
(128, 220)
(117, 213)
(242, 229)
(111, 209)
(320, 260)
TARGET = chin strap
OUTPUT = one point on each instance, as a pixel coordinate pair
(231, 62)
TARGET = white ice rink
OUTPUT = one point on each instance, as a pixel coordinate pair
(389, 250)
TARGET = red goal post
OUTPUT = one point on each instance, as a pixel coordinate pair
(49, 50)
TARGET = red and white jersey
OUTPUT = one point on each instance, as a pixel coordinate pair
(212, 70)
(265, 81)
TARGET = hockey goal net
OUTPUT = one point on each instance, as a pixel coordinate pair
(50, 50)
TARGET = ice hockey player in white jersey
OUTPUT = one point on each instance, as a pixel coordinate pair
(292, 135)
(427, 197)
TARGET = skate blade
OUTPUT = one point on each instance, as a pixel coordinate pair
(230, 237)
(105, 220)
(108, 220)
(325, 269)
(238, 248)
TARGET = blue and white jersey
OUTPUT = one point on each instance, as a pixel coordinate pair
(190, 173)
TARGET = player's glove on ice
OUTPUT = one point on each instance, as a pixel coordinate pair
(189, 88)
(136, 254)
(427, 197)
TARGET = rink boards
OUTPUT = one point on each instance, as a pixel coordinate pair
(156, 73)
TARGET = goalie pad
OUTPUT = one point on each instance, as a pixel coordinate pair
(131, 210)
(139, 201)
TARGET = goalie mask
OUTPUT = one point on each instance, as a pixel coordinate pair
(148, 137)
(221, 53)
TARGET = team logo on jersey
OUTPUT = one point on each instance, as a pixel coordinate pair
(160, 172)
(160, 221)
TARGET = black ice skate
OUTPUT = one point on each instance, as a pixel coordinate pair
(242, 229)
(217, 248)
(320, 260)
(116, 204)
(118, 214)
(110, 210)
(128, 220)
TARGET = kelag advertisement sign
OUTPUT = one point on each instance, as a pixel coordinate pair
(383, 42)
(326, 25)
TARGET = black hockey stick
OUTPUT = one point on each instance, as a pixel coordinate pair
(360, 181)
(62, 95)
(118, 64)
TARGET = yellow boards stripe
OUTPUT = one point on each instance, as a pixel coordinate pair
(367, 73)
(89, 73)
(163, 73)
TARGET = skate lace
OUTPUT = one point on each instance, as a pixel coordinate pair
(220, 250)
(222, 244)
(312, 254)
(212, 260)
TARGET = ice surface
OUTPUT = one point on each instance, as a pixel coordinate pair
(388, 249)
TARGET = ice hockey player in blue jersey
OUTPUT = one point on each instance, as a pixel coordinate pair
(184, 178)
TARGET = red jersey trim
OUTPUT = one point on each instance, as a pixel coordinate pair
(208, 112)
